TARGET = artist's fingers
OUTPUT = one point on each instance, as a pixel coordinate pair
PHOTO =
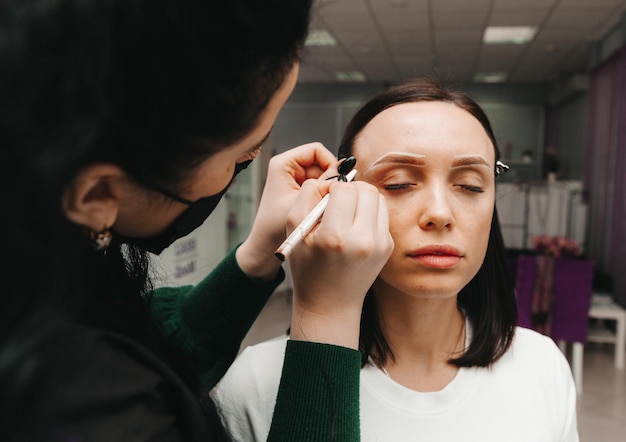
(368, 211)
(356, 218)
(383, 217)
(385, 240)
(350, 207)
(304, 162)
(311, 192)
(341, 209)
(372, 217)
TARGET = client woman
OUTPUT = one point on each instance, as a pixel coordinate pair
(442, 356)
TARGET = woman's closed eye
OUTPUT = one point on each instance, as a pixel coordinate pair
(403, 186)
(399, 186)
(470, 188)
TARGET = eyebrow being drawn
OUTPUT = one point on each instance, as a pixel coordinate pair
(399, 158)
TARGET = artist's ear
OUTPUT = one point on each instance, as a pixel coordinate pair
(91, 200)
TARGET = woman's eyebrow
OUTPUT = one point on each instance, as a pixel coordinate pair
(397, 158)
(469, 160)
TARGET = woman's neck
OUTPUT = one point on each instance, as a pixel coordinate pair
(423, 334)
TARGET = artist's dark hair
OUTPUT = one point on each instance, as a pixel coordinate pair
(154, 86)
(488, 299)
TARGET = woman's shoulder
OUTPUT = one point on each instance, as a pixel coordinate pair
(526, 339)
(257, 363)
(249, 389)
(535, 374)
(535, 352)
(271, 347)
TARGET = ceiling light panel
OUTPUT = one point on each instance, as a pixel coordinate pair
(350, 76)
(509, 34)
(320, 37)
(490, 77)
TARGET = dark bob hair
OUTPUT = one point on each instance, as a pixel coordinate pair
(488, 299)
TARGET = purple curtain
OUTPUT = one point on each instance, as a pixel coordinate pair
(605, 175)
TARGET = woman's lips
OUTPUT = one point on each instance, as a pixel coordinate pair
(437, 256)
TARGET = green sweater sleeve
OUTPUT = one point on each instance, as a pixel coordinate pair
(318, 396)
(210, 320)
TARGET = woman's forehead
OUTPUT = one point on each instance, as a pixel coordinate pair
(424, 129)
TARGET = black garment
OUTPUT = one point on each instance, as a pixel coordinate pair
(99, 386)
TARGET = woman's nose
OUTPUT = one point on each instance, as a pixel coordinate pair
(436, 212)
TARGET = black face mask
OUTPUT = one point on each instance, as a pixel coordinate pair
(187, 222)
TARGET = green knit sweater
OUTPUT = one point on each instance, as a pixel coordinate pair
(318, 397)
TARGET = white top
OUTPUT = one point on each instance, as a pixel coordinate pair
(528, 395)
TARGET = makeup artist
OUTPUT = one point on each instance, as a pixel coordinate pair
(122, 123)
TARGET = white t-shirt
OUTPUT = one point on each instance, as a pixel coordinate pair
(527, 396)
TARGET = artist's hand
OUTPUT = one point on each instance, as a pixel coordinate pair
(336, 264)
(286, 173)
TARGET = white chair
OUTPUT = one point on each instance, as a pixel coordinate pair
(603, 307)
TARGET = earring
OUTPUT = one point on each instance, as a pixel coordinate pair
(101, 240)
(500, 167)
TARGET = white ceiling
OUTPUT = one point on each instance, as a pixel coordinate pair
(389, 40)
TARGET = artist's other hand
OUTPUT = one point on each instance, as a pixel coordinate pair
(286, 173)
(336, 264)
